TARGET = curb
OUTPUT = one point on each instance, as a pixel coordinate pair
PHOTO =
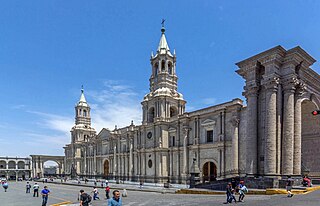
(271, 191)
(61, 203)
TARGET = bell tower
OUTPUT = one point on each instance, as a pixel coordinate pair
(163, 101)
(82, 130)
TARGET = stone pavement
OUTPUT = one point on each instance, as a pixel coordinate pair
(60, 193)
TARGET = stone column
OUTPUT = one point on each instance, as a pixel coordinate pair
(114, 161)
(131, 159)
(297, 131)
(41, 168)
(85, 161)
(270, 152)
(235, 145)
(279, 128)
(288, 128)
(252, 132)
(185, 148)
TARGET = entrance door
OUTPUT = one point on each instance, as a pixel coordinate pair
(209, 172)
(106, 168)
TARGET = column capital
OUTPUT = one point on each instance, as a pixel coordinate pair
(271, 83)
(300, 89)
(185, 130)
(250, 91)
(289, 84)
(235, 120)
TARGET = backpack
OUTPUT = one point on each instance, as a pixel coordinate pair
(244, 189)
(88, 199)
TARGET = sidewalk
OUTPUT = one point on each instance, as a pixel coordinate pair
(269, 191)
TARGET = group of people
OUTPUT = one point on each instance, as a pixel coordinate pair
(44, 193)
(234, 188)
(85, 198)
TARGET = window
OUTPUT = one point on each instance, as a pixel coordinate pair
(163, 66)
(156, 69)
(170, 68)
(209, 135)
(173, 141)
(150, 163)
(84, 113)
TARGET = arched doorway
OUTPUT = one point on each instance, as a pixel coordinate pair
(209, 172)
(106, 168)
(50, 168)
(310, 139)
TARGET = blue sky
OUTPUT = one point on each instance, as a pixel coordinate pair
(48, 49)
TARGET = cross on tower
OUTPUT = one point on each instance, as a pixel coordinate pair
(163, 20)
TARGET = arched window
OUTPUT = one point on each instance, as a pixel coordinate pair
(163, 66)
(170, 68)
(173, 111)
(151, 114)
(156, 67)
(84, 113)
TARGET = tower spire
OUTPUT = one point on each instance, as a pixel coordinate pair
(163, 47)
(82, 97)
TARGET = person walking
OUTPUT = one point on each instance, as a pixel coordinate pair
(289, 185)
(84, 198)
(36, 189)
(115, 200)
(95, 193)
(45, 193)
(107, 192)
(242, 191)
(5, 185)
(28, 187)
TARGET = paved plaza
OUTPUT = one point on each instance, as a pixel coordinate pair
(16, 196)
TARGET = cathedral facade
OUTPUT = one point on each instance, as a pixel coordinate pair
(272, 135)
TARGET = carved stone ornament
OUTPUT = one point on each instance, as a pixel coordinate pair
(235, 120)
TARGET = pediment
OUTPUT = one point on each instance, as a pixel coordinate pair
(104, 134)
(208, 122)
(172, 129)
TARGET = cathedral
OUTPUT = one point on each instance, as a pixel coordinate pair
(272, 135)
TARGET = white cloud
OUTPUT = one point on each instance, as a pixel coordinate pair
(55, 122)
(20, 106)
(209, 101)
(117, 104)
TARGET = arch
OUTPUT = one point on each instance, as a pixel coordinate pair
(173, 111)
(21, 165)
(209, 171)
(11, 164)
(3, 164)
(170, 68)
(156, 67)
(22, 174)
(163, 66)
(310, 138)
(12, 175)
(151, 114)
(106, 167)
(50, 167)
(3, 174)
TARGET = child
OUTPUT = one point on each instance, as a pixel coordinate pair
(107, 191)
